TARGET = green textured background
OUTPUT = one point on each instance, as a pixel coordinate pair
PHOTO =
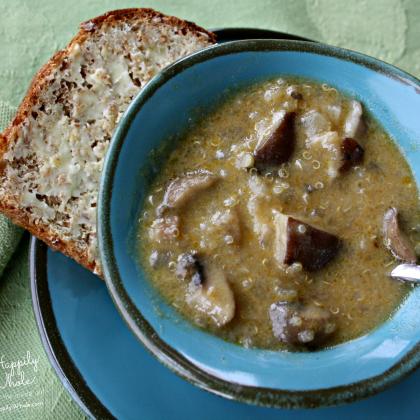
(31, 31)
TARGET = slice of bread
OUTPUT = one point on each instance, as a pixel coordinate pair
(52, 153)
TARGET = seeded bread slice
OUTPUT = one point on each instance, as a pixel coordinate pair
(52, 154)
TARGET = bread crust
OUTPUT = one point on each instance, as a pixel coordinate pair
(33, 94)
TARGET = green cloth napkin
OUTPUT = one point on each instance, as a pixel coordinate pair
(31, 31)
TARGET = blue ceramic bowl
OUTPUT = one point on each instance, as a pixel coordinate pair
(162, 110)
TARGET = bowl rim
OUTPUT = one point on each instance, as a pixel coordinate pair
(141, 328)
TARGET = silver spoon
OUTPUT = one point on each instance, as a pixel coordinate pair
(407, 272)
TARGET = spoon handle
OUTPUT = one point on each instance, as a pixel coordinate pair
(407, 272)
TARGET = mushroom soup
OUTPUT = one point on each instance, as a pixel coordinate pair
(276, 220)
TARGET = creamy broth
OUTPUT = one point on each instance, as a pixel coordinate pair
(229, 222)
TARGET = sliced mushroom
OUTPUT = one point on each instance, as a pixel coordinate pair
(257, 209)
(183, 189)
(314, 123)
(296, 241)
(278, 142)
(213, 296)
(189, 268)
(260, 220)
(334, 112)
(327, 147)
(298, 324)
(352, 154)
(354, 125)
(340, 155)
(164, 229)
(394, 238)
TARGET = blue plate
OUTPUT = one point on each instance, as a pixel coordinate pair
(109, 373)
(164, 109)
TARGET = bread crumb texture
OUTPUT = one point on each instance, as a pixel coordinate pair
(54, 150)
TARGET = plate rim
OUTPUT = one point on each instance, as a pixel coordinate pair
(142, 329)
(56, 350)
